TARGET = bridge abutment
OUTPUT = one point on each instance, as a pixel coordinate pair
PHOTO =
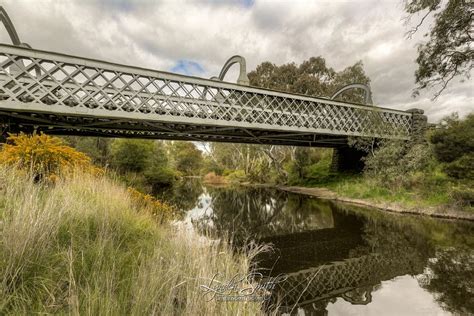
(347, 159)
(419, 125)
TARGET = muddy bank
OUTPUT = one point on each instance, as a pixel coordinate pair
(322, 193)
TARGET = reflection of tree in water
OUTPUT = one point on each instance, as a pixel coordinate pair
(183, 194)
(239, 211)
(247, 213)
(450, 276)
(313, 233)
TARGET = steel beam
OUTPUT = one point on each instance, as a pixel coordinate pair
(91, 93)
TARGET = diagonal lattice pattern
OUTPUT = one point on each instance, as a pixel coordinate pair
(339, 277)
(53, 83)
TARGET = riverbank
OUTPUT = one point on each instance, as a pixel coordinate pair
(84, 245)
(434, 211)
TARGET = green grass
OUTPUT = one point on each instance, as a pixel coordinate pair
(417, 190)
(82, 247)
(426, 192)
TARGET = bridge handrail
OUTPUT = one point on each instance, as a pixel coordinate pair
(89, 62)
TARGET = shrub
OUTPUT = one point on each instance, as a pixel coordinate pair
(453, 143)
(211, 177)
(461, 168)
(158, 210)
(44, 156)
(186, 157)
(131, 154)
(463, 195)
(236, 175)
(157, 171)
(394, 162)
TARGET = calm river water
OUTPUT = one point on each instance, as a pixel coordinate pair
(335, 259)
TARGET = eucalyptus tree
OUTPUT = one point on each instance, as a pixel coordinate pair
(448, 53)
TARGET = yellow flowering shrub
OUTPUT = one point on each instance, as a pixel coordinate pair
(45, 156)
(160, 211)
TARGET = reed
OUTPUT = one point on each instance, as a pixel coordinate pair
(82, 246)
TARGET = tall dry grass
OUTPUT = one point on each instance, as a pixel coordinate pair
(81, 246)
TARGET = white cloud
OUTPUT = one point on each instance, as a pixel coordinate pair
(161, 34)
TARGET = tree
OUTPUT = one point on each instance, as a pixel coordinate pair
(448, 52)
(97, 148)
(157, 170)
(131, 154)
(313, 77)
(264, 163)
(186, 157)
(453, 143)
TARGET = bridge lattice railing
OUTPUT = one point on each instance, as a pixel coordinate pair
(314, 284)
(32, 80)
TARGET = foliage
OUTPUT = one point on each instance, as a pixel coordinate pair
(309, 165)
(97, 148)
(280, 164)
(463, 194)
(236, 175)
(453, 143)
(157, 171)
(83, 247)
(312, 77)
(394, 161)
(158, 210)
(146, 158)
(186, 157)
(46, 157)
(448, 52)
(131, 154)
(213, 178)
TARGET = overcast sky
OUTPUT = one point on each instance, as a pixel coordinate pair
(196, 37)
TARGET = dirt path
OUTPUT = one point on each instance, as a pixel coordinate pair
(323, 193)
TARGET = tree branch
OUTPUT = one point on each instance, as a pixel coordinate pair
(412, 32)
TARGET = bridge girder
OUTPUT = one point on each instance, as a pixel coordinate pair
(69, 95)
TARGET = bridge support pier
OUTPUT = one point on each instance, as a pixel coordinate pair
(419, 126)
(347, 159)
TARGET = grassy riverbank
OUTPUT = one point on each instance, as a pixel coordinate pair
(83, 246)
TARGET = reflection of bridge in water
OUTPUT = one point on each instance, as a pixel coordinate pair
(353, 279)
(323, 264)
(324, 251)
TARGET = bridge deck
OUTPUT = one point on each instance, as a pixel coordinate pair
(64, 94)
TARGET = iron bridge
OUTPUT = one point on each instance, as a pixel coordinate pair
(69, 95)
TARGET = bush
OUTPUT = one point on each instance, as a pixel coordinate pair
(212, 178)
(236, 175)
(453, 142)
(186, 157)
(46, 157)
(463, 195)
(157, 171)
(394, 163)
(461, 168)
(158, 210)
(131, 154)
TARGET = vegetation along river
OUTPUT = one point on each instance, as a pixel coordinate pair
(338, 259)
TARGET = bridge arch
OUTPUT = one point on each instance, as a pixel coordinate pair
(368, 93)
(237, 59)
(7, 22)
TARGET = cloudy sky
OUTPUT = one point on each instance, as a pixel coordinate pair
(196, 38)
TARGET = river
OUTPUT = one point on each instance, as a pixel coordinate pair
(338, 259)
